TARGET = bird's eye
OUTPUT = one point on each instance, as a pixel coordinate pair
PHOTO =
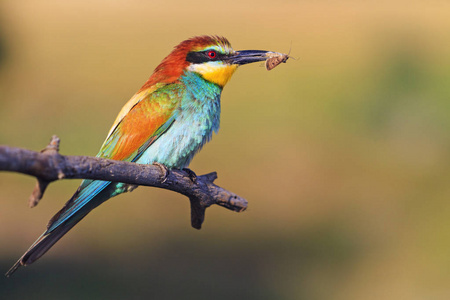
(212, 54)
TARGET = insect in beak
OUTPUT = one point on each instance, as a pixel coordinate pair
(276, 59)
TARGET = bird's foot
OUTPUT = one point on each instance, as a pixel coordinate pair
(191, 174)
(164, 169)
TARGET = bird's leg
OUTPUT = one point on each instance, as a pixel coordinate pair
(191, 174)
(164, 169)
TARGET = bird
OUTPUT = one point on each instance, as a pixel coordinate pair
(166, 122)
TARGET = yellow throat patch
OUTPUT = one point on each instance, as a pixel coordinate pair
(214, 72)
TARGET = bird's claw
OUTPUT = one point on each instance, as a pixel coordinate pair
(191, 174)
(164, 169)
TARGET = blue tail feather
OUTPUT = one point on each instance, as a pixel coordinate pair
(88, 190)
(91, 194)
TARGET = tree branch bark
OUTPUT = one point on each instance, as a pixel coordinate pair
(48, 166)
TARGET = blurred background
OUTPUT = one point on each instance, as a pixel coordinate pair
(343, 154)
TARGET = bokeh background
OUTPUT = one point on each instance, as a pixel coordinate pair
(343, 154)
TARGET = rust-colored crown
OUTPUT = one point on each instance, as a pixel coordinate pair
(172, 67)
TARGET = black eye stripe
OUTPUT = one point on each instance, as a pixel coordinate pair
(202, 56)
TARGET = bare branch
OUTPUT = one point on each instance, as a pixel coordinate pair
(39, 189)
(48, 166)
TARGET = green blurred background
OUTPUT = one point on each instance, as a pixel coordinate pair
(343, 154)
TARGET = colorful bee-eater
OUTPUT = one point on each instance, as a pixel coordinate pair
(167, 122)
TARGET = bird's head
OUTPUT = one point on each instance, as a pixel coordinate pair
(211, 57)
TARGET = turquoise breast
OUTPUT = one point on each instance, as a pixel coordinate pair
(197, 117)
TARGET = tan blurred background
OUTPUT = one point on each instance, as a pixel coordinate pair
(343, 154)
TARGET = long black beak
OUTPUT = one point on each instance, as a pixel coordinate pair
(249, 56)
